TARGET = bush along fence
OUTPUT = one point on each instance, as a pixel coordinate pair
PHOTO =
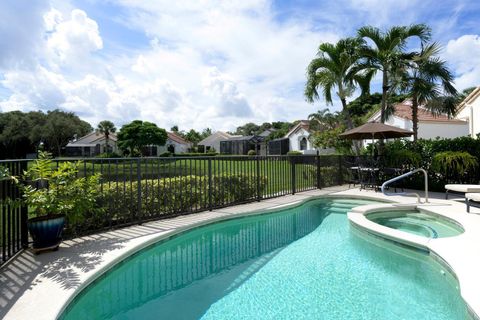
(128, 191)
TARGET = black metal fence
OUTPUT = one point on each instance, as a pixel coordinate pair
(13, 217)
(134, 190)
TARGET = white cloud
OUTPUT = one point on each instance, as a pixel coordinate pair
(463, 54)
(73, 40)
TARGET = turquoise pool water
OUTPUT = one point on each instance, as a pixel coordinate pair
(418, 223)
(300, 263)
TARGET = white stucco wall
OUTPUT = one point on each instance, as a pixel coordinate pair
(179, 148)
(471, 112)
(431, 130)
(295, 140)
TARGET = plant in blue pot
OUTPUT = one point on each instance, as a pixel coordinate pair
(55, 195)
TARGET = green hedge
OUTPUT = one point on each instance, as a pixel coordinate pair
(176, 195)
(434, 155)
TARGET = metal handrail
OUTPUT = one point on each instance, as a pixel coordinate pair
(386, 183)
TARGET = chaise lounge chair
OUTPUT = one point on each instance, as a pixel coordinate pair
(472, 200)
(461, 189)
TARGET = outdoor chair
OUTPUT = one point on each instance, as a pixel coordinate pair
(472, 200)
(461, 189)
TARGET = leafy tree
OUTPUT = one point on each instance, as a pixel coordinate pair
(387, 53)
(248, 129)
(323, 120)
(429, 82)
(138, 134)
(193, 136)
(207, 132)
(60, 127)
(336, 68)
(106, 127)
(21, 133)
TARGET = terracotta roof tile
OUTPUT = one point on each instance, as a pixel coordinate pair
(404, 110)
(176, 138)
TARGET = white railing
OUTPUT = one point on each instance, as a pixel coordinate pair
(386, 183)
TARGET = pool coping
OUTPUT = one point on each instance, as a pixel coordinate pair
(51, 296)
(447, 251)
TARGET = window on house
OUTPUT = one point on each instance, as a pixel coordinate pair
(303, 143)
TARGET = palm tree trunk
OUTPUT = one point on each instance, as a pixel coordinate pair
(415, 117)
(349, 123)
(106, 142)
(384, 97)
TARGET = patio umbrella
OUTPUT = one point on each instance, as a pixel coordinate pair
(375, 130)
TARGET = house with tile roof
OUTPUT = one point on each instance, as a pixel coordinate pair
(469, 110)
(174, 144)
(299, 138)
(91, 145)
(212, 142)
(429, 126)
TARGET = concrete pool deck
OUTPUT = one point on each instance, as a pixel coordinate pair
(42, 285)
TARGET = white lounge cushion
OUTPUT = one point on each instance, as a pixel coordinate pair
(463, 187)
(473, 196)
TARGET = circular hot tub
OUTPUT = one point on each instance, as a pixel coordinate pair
(417, 223)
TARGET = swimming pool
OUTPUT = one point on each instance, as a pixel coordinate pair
(301, 262)
(416, 222)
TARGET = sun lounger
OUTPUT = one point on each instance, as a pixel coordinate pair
(472, 200)
(461, 189)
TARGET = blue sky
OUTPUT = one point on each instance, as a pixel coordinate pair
(198, 64)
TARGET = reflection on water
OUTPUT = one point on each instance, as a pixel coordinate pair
(193, 256)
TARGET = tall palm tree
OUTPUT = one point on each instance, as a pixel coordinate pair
(324, 119)
(334, 69)
(106, 127)
(428, 82)
(386, 54)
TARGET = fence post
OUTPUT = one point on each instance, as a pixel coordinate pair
(318, 171)
(258, 177)
(292, 166)
(340, 170)
(210, 205)
(24, 215)
(139, 188)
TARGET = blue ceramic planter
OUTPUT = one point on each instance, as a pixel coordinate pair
(46, 231)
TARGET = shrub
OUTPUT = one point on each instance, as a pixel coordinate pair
(195, 154)
(176, 195)
(166, 154)
(454, 165)
(108, 155)
(294, 153)
(251, 153)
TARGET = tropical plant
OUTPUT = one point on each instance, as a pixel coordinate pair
(428, 82)
(336, 68)
(138, 134)
(323, 120)
(66, 193)
(105, 128)
(454, 164)
(387, 54)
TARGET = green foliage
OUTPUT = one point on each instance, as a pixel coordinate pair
(193, 136)
(168, 195)
(138, 134)
(108, 155)
(294, 153)
(196, 154)
(251, 153)
(65, 194)
(166, 154)
(453, 164)
(427, 150)
(330, 139)
(21, 133)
